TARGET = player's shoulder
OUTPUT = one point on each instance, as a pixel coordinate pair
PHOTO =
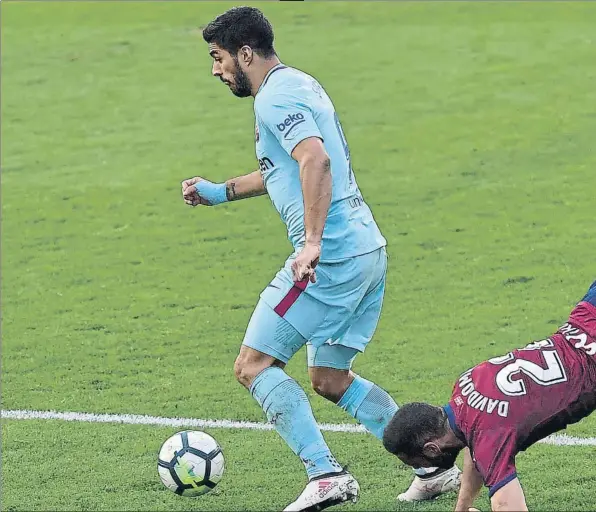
(283, 86)
(287, 78)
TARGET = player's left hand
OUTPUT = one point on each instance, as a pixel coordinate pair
(303, 266)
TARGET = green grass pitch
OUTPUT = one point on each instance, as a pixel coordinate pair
(471, 128)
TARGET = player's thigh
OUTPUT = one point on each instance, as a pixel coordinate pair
(364, 320)
(340, 351)
(326, 309)
(314, 309)
(337, 357)
(355, 288)
(271, 334)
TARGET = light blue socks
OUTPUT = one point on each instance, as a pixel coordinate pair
(373, 407)
(369, 404)
(286, 405)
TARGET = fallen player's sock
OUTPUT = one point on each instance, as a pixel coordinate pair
(287, 407)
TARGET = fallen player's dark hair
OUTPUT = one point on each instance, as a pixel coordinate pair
(412, 426)
(241, 26)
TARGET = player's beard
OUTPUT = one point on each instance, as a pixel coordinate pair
(447, 458)
(241, 86)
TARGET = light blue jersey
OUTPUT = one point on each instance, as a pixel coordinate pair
(291, 106)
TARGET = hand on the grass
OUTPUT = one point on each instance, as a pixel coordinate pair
(465, 508)
(189, 192)
(303, 266)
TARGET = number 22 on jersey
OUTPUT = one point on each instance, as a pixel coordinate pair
(509, 379)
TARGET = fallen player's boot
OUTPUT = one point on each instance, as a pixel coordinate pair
(433, 485)
(325, 491)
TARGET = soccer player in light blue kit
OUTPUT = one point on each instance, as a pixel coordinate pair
(330, 291)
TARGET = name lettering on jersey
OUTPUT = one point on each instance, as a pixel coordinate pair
(265, 164)
(579, 338)
(290, 122)
(355, 202)
(477, 400)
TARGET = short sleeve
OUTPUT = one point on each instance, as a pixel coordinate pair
(493, 453)
(289, 119)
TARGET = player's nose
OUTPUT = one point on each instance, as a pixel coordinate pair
(216, 69)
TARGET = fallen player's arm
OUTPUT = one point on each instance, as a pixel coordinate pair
(249, 185)
(315, 175)
(509, 497)
(471, 483)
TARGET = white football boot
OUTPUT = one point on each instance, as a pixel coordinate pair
(428, 488)
(326, 491)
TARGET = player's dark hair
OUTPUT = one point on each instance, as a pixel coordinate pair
(241, 26)
(412, 426)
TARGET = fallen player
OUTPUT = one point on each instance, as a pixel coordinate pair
(501, 407)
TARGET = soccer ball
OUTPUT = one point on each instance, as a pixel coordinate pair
(190, 463)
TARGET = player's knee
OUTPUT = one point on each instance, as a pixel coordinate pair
(242, 371)
(247, 367)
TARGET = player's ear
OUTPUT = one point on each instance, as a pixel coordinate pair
(246, 55)
(431, 450)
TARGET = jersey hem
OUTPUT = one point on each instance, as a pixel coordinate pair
(592, 308)
(344, 258)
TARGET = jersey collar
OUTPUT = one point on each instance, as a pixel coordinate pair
(451, 417)
(275, 68)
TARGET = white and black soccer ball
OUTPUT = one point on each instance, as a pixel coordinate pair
(190, 463)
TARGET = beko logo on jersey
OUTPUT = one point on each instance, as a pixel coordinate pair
(477, 400)
(290, 123)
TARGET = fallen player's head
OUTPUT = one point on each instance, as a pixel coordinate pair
(238, 39)
(420, 436)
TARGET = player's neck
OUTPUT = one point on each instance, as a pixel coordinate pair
(261, 72)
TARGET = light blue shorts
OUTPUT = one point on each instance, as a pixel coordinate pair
(335, 317)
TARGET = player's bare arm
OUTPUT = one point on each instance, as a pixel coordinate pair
(315, 176)
(471, 484)
(199, 191)
(243, 187)
(509, 498)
